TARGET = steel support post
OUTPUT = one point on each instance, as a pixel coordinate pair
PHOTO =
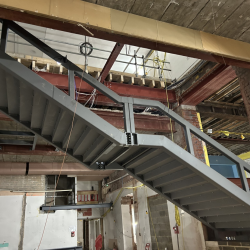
(34, 142)
(71, 80)
(143, 65)
(136, 74)
(4, 36)
(189, 142)
(129, 123)
(127, 127)
(241, 172)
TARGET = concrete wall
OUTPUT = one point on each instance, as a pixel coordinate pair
(190, 232)
(22, 182)
(127, 227)
(113, 223)
(143, 235)
(96, 213)
(10, 218)
(80, 232)
(57, 232)
(92, 237)
(159, 223)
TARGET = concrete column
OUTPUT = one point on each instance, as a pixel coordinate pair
(191, 233)
(189, 113)
(244, 80)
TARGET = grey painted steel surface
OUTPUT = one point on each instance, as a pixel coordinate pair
(69, 207)
(154, 160)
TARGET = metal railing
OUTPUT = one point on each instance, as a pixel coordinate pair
(127, 102)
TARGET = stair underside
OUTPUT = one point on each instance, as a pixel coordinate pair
(156, 161)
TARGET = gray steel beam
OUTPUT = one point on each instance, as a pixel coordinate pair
(16, 133)
(223, 211)
(66, 138)
(81, 139)
(99, 139)
(168, 197)
(34, 142)
(71, 84)
(140, 158)
(229, 218)
(238, 224)
(189, 141)
(74, 207)
(151, 163)
(243, 177)
(197, 190)
(16, 142)
(58, 120)
(135, 155)
(188, 160)
(173, 177)
(106, 150)
(106, 91)
(216, 195)
(121, 153)
(173, 151)
(167, 168)
(225, 202)
(187, 183)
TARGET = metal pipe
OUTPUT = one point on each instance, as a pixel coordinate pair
(117, 179)
(44, 191)
(135, 65)
(69, 207)
(97, 57)
(77, 45)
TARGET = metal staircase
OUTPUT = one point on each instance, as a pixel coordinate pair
(152, 159)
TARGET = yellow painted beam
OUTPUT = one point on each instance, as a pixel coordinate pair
(118, 22)
(244, 156)
(203, 143)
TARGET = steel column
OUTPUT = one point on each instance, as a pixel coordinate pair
(243, 178)
(189, 141)
(71, 80)
(34, 142)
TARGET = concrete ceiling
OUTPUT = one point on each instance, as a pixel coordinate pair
(228, 18)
